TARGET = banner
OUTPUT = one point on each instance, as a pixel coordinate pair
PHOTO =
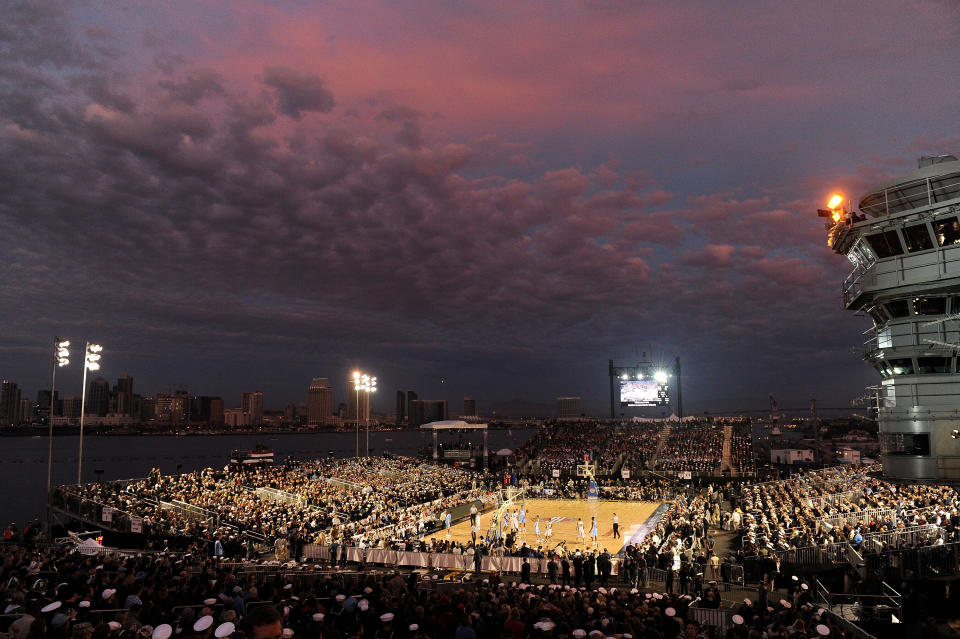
(107, 514)
(625, 473)
(556, 472)
(136, 524)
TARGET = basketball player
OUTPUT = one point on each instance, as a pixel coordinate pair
(536, 528)
(580, 534)
(523, 521)
(616, 526)
(549, 532)
(594, 533)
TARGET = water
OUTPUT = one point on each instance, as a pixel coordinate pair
(23, 460)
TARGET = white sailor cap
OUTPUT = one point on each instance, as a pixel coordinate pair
(163, 631)
(224, 630)
(737, 620)
(287, 633)
(318, 616)
(823, 630)
(203, 623)
(50, 607)
(386, 617)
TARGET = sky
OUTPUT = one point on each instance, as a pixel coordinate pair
(483, 199)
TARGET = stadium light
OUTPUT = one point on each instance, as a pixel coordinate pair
(624, 376)
(660, 377)
(61, 358)
(367, 384)
(91, 361)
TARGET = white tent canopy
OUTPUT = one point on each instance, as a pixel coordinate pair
(455, 424)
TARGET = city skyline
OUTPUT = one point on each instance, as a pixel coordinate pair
(482, 200)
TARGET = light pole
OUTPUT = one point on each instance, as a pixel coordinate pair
(91, 361)
(367, 384)
(356, 387)
(61, 357)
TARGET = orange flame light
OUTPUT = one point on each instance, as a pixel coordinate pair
(834, 201)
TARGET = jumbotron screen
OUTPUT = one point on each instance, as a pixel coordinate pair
(643, 393)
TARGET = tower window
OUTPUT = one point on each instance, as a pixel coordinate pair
(917, 237)
(947, 231)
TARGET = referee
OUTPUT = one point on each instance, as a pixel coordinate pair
(616, 526)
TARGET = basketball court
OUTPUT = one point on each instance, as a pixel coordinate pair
(563, 513)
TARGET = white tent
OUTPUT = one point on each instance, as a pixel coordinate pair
(504, 452)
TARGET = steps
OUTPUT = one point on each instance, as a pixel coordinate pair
(725, 461)
(664, 437)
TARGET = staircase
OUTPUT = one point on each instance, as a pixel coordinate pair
(664, 437)
(725, 464)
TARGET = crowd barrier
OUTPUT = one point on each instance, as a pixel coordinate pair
(445, 561)
(716, 617)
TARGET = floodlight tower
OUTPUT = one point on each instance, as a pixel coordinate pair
(903, 240)
(91, 361)
(61, 358)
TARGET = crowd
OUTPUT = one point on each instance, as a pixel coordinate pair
(741, 448)
(695, 445)
(317, 501)
(841, 505)
(160, 596)
(692, 446)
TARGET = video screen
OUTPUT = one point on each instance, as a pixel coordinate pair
(643, 393)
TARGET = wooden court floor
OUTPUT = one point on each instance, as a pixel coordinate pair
(564, 514)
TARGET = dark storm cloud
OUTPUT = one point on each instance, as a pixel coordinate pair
(195, 212)
(298, 91)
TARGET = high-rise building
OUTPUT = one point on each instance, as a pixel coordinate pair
(469, 407)
(124, 395)
(25, 414)
(236, 417)
(251, 402)
(173, 408)
(98, 397)
(401, 406)
(216, 410)
(43, 403)
(9, 403)
(201, 408)
(290, 413)
(148, 408)
(319, 401)
(568, 408)
(424, 411)
(71, 406)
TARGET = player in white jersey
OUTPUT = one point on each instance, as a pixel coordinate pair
(514, 521)
(549, 531)
(580, 535)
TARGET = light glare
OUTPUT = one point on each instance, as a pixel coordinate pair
(660, 377)
(834, 201)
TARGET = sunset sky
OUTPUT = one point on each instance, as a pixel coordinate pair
(463, 198)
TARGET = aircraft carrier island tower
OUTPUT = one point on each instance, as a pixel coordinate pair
(903, 240)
